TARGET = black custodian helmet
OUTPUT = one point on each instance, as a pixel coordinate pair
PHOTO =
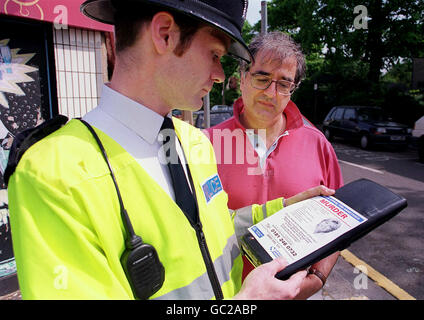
(225, 15)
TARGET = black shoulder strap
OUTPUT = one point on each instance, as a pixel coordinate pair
(25, 139)
(133, 238)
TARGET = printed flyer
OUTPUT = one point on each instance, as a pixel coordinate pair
(301, 228)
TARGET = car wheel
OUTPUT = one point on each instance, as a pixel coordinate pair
(327, 134)
(421, 149)
(364, 142)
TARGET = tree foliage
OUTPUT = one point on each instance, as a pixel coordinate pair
(350, 50)
(389, 30)
(358, 52)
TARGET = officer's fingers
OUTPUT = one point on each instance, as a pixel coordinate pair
(324, 191)
(292, 286)
(316, 191)
(312, 192)
(297, 278)
(279, 264)
(274, 266)
(289, 288)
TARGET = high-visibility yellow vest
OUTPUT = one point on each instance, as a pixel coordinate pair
(67, 231)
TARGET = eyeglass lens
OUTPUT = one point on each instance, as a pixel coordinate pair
(262, 82)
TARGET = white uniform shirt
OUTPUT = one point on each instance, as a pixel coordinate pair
(136, 128)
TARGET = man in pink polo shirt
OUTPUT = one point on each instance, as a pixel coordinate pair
(268, 149)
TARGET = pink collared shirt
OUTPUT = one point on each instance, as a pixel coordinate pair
(299, 159)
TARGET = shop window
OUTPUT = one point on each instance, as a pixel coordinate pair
(79, 56)
(27, 98)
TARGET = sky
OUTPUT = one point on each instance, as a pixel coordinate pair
(253, 11)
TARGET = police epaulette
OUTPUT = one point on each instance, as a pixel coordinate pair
(25, 139)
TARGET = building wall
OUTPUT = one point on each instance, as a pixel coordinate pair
(81, 69)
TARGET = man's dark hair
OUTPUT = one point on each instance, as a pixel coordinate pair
(128, 22)
(278, 46)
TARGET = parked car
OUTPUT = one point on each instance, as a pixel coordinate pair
(177, 113)
(366, 125)
(222, 107)
(418, 134)
(215, 117)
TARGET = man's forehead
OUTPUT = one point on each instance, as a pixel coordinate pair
(272, 59)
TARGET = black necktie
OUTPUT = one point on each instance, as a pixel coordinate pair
(183, 196)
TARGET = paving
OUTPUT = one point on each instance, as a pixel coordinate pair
(9, 288)
(348, 282)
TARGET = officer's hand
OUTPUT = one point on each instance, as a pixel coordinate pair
(316, 191)
(261, 283)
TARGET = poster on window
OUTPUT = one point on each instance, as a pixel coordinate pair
(23, 83)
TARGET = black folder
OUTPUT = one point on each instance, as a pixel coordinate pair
(375, 202)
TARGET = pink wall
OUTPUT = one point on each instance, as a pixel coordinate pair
(55, 11)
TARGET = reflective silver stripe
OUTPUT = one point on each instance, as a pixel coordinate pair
(224, 264)
(201, 287)
(264, 210)
(243, 219)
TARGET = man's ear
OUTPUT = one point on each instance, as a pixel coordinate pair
(164, 32)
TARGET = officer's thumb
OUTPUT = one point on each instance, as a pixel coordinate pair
(276, 265)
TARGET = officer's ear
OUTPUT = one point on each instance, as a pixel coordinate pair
(164, 32)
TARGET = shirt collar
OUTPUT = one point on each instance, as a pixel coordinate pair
(143, 121)
(292, 113)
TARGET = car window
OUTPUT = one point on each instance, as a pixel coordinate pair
(338, 114)
(221, 107)
(370, 114)
(349, 114)
(215, 118)
(199, 123)
(219, 117)
(330, 114)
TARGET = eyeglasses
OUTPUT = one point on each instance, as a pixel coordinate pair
(262, 82)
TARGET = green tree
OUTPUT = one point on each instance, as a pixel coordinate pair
(350, 44)
(393, 29)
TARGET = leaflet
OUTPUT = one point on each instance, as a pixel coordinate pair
(299, 229)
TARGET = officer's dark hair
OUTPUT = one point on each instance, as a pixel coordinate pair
(128, 22)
